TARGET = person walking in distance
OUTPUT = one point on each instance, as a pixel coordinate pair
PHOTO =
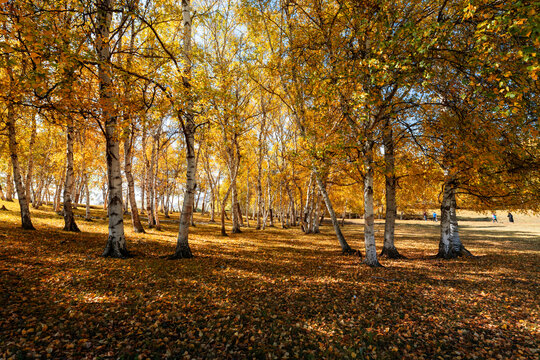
(510, 217)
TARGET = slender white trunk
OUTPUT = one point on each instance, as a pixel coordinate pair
(369, 216)
(26, 221)
(223, 204)
(30, 167)
(247, 198)
(87, 215)
(135, 219)
(9, 186)
(150, 187)
(69, 218)
(182, 246)
(341, 239)
(116, 243)
(316, 219)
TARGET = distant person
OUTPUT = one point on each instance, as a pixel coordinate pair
(510, 217)
(495, 218)
(425, 216)
(434, 216)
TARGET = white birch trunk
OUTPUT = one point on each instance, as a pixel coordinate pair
(182, 245)
(345, 248)
(69, 218)
(135, 219)
(116, 243)
(26, 221)
(87, 215)
(30, 166)
(9, 186)
(450, 245)
(369, 216)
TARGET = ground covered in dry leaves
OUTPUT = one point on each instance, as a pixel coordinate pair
(266, 295)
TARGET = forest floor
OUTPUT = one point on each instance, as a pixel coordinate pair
(269, 294)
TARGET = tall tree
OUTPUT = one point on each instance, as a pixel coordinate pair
(116, 243)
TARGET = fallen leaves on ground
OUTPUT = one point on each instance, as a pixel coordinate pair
(264, 294)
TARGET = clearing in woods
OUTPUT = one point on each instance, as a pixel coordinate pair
(267, 294)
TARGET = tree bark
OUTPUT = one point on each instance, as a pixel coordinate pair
(26, 221)
(128, 146)
(30, 166)
(234, 206)
(87, 215)
(389, 249)
(259, 167)
(247, 198)
(316, 218)
(105, 194)
(9, 186)
(182, 246)
(150, 186)
(345, 248)
(306, 216)
(57, 193)
(223, 204)
(116, 243)
(144, 170)
(69, 218)
(450, 245)
(369, 216)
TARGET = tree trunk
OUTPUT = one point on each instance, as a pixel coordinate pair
(196, 204)
(259, 197)
(344, 214)
(150, 186)
(26, 221)
(128, 146)
(450, 245)
(369, 216)
(247, 198)
(78, 191)
(30, 166)
(156, 210)
(69, 218)
(306, 216)
(126, 201)
(116, 243)
(166, 202)
(291, 204)
(259, 169)
(223, 204)
(105, 194)
(9, 186)
(345, 248)
(182, 246)
(57, 193)
(234, 207)
(317, 212)
(87, 215)
(389, 250)
(38, 195)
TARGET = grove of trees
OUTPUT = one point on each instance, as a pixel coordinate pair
(273, 113)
